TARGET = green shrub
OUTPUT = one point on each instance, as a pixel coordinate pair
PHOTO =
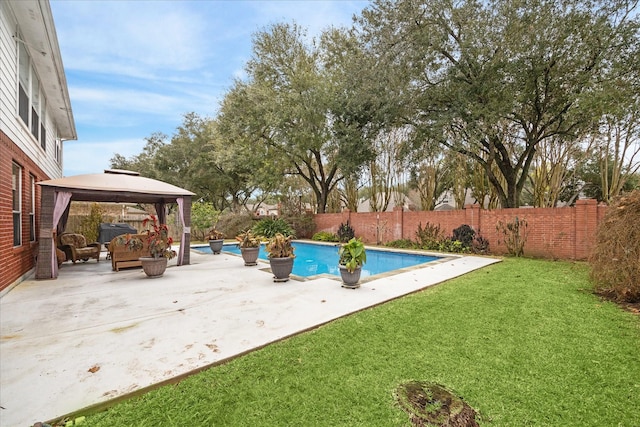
(453, 246)
(232, 224)
(464, 234)
(514, 235)
(269, 227)
(203, 218)
(402, 244)
(480, 245)
(89, 226)
(471, 241)
(302, 224)
(615, 260)
(430, 236)
(345, 232)
(325, 236)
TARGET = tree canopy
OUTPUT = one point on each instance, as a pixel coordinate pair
(527, 92)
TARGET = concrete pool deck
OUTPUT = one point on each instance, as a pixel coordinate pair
(94, 335)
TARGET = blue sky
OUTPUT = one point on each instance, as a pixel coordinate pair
(136, 67)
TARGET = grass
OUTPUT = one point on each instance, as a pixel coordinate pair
(523, 341)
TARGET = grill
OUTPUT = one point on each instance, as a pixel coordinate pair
(107, 231)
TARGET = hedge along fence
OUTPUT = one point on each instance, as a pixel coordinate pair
(554, 233)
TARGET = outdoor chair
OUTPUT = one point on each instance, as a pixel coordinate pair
(76, 248)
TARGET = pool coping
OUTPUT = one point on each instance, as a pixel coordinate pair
(441, 258)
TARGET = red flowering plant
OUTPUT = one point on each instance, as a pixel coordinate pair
(158, 239)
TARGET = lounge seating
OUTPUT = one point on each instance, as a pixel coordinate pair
(122, 257)
(60, 255)
(75, 247)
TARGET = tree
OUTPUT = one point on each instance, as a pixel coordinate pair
(249, 166)
(618, 151)
(386, 170)
(349, 192)
(553, 170)
(295, 109)
(183, 161)
(203, 218)
(590, 178)
(143, 163)
(494, 80)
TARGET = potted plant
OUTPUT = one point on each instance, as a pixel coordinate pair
(249, 245)
(352, 255)
(159, 243)
(216, 240)
(280, 252)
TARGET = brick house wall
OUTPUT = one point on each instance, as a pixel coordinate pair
(32, 134)
(16, 262)
(553, 233)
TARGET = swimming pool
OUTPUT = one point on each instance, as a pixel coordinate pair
(313, 259)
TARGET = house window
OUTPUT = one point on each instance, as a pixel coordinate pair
(32, 209)
(43, 129)
(17, 204)
(24, 67)
(35, 106)
(58, 152)
(31, 100)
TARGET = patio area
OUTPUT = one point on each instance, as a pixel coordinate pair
(94, 335)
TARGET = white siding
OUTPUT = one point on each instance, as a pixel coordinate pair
(7, 72)
(10, 122)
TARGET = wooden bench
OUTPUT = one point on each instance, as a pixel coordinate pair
(122, 257)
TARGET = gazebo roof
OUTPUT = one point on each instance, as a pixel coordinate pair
(116, 185)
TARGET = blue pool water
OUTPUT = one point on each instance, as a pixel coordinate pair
(312, 259)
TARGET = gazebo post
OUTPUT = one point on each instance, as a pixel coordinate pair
(161, 213)
(187, 224)
(44, 267)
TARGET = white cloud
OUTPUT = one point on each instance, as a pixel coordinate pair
(136, 67)
(315, 16)
(94, 157)
(126, 100)
(130, 37)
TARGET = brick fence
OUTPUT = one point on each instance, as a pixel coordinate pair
(555, 233)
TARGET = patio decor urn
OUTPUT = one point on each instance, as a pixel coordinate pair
(280, 252)
(250, 256)
(352, 256)
(281, 268)
(216, 240)
(350, 279)
(153, 267)
(216, 246)
(249, 245)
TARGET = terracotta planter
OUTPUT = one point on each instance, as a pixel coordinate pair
(216, 245)
(350, 279)
(250, 256)
(281, 268)
(153, 267)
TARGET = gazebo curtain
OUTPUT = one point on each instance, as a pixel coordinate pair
(185, 230)
(62, 199)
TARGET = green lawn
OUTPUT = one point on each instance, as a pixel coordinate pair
(523, 341)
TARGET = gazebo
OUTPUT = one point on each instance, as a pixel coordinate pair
(111, 186)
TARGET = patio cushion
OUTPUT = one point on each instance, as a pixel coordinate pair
(76, 248)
